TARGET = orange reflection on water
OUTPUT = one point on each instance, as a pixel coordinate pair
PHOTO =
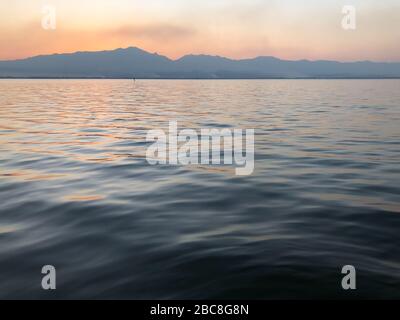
(82, 198)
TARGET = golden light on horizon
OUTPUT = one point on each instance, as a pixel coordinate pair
(237, 28)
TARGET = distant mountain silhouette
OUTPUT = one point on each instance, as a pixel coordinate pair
(134, 62)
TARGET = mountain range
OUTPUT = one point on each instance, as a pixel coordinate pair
(133, 62)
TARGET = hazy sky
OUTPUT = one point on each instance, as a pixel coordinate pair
(290, 29)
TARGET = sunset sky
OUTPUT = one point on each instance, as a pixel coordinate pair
(289, 29)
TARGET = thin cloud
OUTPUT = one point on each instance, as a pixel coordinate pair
(154, 32)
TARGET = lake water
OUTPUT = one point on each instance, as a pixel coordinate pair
(76, 191)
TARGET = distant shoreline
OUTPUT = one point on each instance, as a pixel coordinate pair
(133, 62)
(261, 78)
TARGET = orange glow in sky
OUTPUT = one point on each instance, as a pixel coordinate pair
(234, 28)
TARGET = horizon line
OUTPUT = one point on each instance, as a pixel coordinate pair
(192, 54)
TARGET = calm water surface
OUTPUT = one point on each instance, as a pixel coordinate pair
(76, 191)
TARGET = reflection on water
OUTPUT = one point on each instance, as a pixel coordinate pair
(76, 191)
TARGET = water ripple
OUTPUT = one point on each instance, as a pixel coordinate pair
(76, 191)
